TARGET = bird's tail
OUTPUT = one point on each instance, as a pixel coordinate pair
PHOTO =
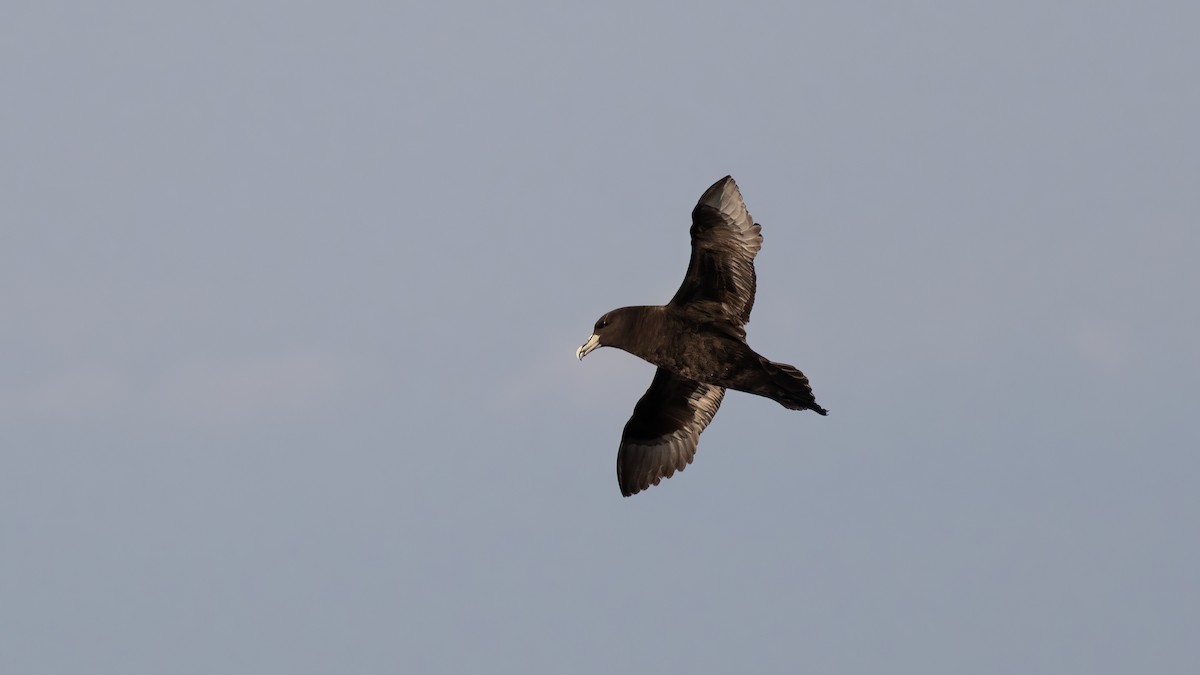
(791, 388)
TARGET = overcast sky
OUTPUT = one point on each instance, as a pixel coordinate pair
(290, 294)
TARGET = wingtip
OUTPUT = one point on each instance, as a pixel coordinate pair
(723, 195)
(726, 181)
(627, 490)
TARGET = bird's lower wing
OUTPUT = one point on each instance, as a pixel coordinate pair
(661, 436)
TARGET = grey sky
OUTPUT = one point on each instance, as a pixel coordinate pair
(291, 291)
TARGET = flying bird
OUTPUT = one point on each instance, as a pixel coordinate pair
(698, 342)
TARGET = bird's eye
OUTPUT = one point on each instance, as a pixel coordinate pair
(603, 322)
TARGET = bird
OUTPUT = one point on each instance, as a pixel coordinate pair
(698, 343)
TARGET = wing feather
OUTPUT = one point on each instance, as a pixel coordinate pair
(720, 280)
(661, 436)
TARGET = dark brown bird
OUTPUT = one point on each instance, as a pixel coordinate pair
(698, 342)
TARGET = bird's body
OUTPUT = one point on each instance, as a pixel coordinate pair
(682, 343)
(698, 342)
(697, 348)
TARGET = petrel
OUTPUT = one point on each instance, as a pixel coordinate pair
(698, 342)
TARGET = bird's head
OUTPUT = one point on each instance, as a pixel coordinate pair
(609, 331)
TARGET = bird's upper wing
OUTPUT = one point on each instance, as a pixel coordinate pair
(661, 437)
(720, 278)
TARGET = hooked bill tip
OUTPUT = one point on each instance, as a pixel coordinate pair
(587, 347)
